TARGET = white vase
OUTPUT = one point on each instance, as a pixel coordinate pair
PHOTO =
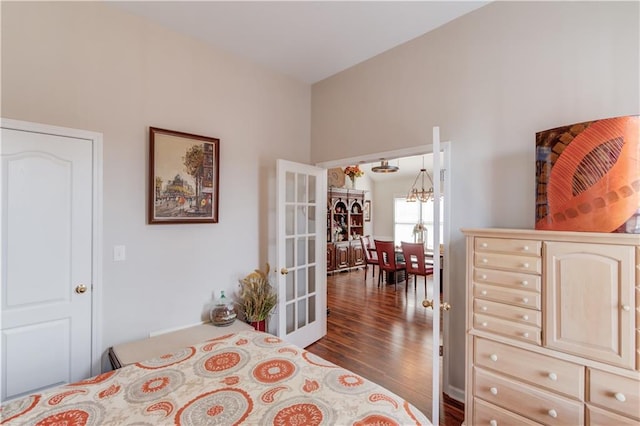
(351, 183)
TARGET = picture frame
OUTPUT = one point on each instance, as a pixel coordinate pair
(184, 172)
(367, 211)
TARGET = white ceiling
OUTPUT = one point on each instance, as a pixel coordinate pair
(308, 40)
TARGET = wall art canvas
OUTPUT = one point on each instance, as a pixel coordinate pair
(183, 177)
(588, 176)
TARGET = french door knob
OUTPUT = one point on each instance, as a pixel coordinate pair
(444, 306)
(81, 288)
(284, 271)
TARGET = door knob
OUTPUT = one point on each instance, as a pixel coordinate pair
(81, 288)
(284, 271)
(444, 306)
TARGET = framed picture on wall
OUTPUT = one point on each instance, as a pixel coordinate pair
(183, 177)
(367, 211)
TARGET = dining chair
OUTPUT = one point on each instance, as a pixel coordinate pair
(370, 256)
(414, 258)
(387, 260)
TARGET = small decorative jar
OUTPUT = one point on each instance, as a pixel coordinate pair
(222, 313)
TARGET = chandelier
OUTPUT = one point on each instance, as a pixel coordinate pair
(421, 194)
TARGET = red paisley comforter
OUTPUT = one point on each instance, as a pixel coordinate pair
(242, 378)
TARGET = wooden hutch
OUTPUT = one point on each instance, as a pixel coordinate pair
(345, 226)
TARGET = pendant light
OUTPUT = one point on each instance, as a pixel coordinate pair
(384, 167)
(422, 194)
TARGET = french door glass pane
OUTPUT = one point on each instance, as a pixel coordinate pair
(289, 220)
(302, 188)
(289, 260)
(290, 286)
(312, 189)
(302, 219)
(290, 183)
(302, 313)
(312, 251)
(302, 251)
(312, 220)
(291, 325)
(312, 309)
(312, 279)
(302, 283)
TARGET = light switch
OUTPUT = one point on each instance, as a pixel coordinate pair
(119, 253)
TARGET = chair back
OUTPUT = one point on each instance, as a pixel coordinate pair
(387, 256)
(369, 255)
(414, 258)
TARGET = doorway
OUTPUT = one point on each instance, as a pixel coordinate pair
(396, 158)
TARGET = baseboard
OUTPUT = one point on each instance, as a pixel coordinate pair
(169, 330)
(455, 393)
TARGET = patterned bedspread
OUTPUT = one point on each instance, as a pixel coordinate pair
(242, 378)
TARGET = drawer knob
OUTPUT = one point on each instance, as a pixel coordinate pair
(525, 283)
(494, 391)
(525, 335)
(493, 357)
(525, 265)
(525, 300)
(493, 422)
(620, 397)
(626, 308)
(483, 292)
(484, 324)
(553, 376)
(485, 260)
(484, 245)
(553, 413)
(483, 276)
(484, 308)
(525, 317)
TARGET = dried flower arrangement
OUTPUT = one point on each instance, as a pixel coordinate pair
(257, 297)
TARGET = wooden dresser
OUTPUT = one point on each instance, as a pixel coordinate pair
(552, 328)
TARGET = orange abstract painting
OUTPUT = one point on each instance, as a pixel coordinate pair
(588, 176)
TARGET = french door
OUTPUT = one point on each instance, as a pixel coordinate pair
(301, 246)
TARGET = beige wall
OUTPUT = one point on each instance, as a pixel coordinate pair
(490, 80)
(89, 66)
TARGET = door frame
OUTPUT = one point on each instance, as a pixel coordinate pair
(445, 165)
(96, 221)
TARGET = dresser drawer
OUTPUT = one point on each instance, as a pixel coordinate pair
(511, 329)
(526, 299)
(509, 312)
(508, 262)
(600, 417)
(551, 373)
(507, 245)
(485, 414)
(528, 401)
(615, 393)
(517, 280)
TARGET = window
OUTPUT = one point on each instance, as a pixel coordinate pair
(407, 215)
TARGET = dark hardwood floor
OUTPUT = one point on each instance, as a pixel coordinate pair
(383, 334)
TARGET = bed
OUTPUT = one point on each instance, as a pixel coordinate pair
(247, 377)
